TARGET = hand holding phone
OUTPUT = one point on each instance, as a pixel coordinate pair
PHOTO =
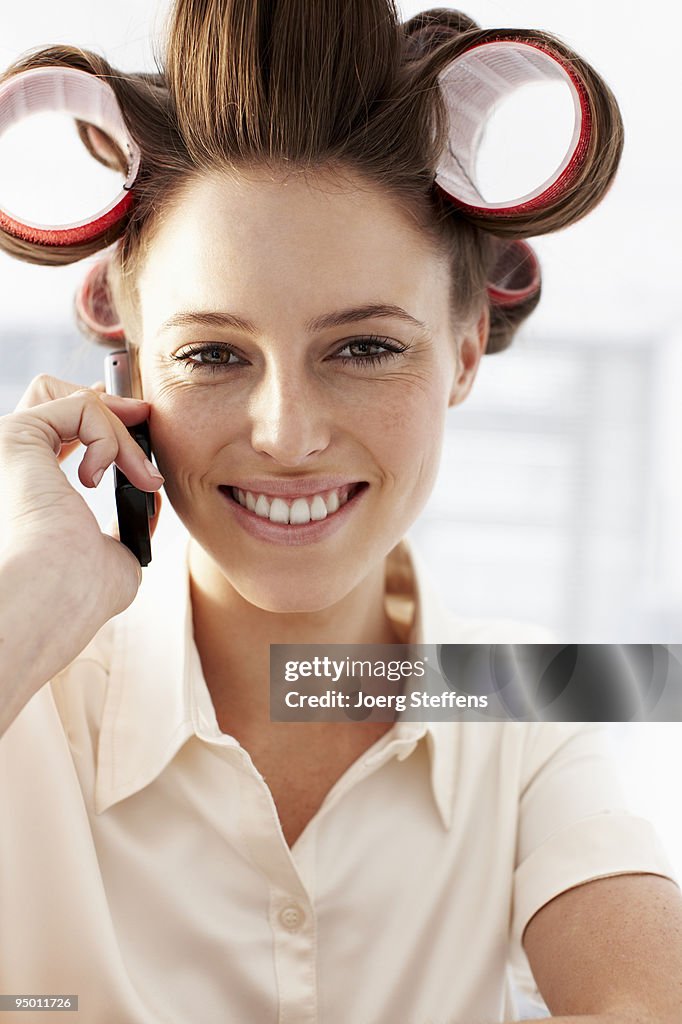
(134, 508)
(61, 576)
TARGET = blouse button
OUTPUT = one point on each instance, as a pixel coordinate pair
(291, 917)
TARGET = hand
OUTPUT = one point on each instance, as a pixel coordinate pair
(41, 513)
(112, 528)
(61, 578)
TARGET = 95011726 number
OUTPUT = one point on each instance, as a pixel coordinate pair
(38, 1002)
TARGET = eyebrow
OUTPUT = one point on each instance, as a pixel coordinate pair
(369, 311)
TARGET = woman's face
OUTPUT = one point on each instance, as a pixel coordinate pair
(278, 362)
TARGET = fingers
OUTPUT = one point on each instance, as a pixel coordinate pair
(99, 422)
(45, 388)
(108, 441)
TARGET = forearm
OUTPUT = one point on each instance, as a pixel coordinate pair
(42, 628)
(592, 1019)
(630, 1017)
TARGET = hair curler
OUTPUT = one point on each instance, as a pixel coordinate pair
(515, 277)
(94, 307)
(488, 68)
(86, 98)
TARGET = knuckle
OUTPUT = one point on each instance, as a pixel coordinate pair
(43, 388)
(40, 389)
(91, 402)
(107, 446)
(86, 394)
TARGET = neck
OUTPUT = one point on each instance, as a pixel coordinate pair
(233, 636)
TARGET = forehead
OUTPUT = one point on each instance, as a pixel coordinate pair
(291, 246)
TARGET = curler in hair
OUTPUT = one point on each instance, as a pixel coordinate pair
(491, 66)
(514, 288)
(94, 308)
(87, 99)
(515, 277)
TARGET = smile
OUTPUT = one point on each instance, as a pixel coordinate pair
(302, 519)
(296, 511)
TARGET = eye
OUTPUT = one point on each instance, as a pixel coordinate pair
(369, 351)
(210, 357)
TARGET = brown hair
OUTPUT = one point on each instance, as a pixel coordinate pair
(338, 85)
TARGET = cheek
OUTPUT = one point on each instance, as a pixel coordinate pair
(405, 434)
(187, 432)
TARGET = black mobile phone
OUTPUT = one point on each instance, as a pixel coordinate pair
(134, 507)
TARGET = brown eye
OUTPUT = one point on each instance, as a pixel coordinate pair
(362, 348)
(213, 355)
(369, 351)
(210, 357)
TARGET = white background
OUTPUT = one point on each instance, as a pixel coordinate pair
(599, 361)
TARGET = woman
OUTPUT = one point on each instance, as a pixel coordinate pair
(301, 308)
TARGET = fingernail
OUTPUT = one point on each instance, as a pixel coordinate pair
(96, 477)
(152, 470)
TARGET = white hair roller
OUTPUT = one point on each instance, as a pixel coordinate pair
(85, 97)
(472, 85)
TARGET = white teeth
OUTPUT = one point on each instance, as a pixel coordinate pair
(279, 510)
(299, 513)
(262, 507)
(301, 510)
(318, 509)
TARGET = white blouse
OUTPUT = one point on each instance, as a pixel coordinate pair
(144, 869)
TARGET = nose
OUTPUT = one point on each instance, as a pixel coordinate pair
(290, 419)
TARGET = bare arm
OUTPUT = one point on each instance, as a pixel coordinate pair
(610, 952)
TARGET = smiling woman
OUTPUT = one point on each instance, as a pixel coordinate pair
(305, 276)
(344, 408)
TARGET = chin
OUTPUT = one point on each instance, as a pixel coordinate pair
(292, 592)
(302, 580)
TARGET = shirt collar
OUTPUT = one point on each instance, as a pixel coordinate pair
(157, 698)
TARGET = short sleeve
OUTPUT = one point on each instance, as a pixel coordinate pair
(574, 822)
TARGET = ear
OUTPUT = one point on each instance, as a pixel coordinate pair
(471, 346)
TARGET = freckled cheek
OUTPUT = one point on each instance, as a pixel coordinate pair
(186, 434)
(405, 439)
